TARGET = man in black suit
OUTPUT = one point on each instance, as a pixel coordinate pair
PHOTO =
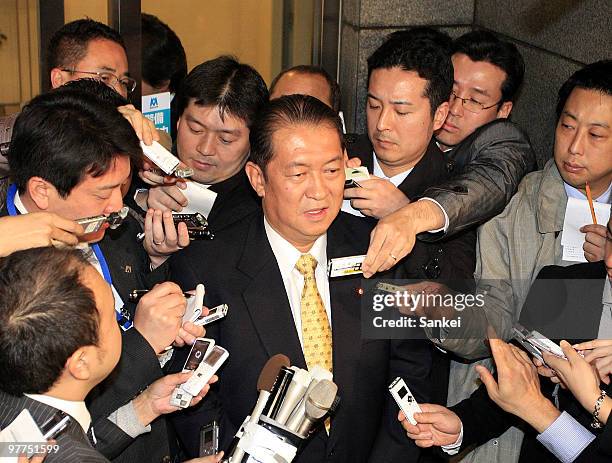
(409, 82)
(490, 154)
(297, 169)
(59, 339)
(71, 153)
(216, 107)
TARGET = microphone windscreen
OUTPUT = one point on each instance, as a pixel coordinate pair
(270, 371)
(321, 399)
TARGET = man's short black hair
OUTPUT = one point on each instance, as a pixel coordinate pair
(99, 89)
(46, 314)
(66, 134)
(163, 55)
(69, 44)
(485, 46)
(288, 111)
(235, 88)
(334, 88)
(421, 55)
(595, 76)
(424, 32)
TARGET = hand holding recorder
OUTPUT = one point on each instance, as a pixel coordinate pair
(435, 426)
(162, 236)
(35, 230)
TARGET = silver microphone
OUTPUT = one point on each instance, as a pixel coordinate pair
(318, 373)
(318, 403)
(296, 390)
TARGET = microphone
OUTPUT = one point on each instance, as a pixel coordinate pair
(265, 383)
(318, 403)
(296, 390)
(318, 373)
(278, 392)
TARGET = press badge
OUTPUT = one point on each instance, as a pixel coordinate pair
(344, 266)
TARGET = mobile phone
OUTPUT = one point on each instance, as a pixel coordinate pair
(209, 439)
(93, 224)
(200, 349)
(165, 160)
(404, 399)
(535, 343)
(55, 425)
(194, 305)
(214, 314)
(353, 175)
(206, 369)
(197, 225)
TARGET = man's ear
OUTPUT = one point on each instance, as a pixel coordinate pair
(40, 192)
(256, 177)
(79, 364)
(57, 78)
(504, 110)
(440, 115)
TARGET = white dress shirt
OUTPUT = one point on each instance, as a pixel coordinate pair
(577, 194)
(286, 257)
(76, 409)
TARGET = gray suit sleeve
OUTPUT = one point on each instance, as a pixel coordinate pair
(498, 157)
(495, 284)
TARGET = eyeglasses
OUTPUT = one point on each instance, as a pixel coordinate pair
(470, 104)
(109, 79)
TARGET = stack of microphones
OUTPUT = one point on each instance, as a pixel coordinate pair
(292, 403)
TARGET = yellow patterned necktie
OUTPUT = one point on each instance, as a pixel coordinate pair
(316, 333)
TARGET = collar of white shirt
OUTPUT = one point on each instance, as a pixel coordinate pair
(75, 409)
(446, 149)
(287, 255)
(577, 194)
(19, 204)
(396, 179)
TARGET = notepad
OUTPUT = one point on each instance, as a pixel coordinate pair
(578, 214)
(200, 199)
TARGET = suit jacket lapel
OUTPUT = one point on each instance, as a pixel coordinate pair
(266, 299)
(421, 176)
(345, 310)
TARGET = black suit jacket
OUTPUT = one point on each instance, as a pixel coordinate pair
(240, 270)
(138, 366)
(73, 444)
(235, 201)
(455, 258)
(483, 420)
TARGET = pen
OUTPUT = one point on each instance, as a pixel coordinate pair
(136, 294)
(590, 198)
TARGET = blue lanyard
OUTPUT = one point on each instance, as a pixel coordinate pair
(10, 199)
(122, 316)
